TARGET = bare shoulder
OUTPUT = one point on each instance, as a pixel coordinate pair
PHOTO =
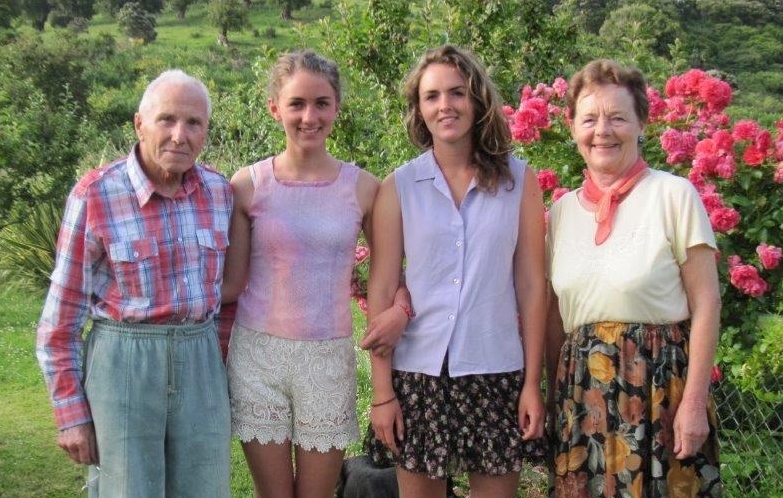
(242, 186)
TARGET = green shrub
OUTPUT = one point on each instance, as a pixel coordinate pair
(27, 248)
(762, 370)
(137, 23)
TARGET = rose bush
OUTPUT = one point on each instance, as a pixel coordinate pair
(735, 165)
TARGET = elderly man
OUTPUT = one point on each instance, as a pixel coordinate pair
(143, 398)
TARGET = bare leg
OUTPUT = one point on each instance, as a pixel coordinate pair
(502, 486)
(271, 467)
(417, 485)
(317, 473)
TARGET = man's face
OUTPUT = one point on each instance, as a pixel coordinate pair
(172, 130)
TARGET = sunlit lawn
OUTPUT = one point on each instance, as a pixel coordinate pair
(31, 464)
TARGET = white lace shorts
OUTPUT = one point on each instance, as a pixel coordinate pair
(283, 389)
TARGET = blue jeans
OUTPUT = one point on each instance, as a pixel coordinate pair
(159, 401)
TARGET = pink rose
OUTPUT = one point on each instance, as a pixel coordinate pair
(561, 87)
(656, 103)
(716, 93)
(778, 178)
(724, 219)
(746, 278)
(745, 129)
(753, 156)
(679, 145)
(725, 167)
(769, 255)
(362, 253)
(734, 260)
(547, 179)
(711, 199)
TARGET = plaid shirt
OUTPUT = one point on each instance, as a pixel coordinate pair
(127, 254)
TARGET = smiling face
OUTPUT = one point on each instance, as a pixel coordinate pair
(606, 129)
(307, 106)
(171, 130)
(445, 104)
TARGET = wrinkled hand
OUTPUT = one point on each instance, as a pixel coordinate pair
(387, 424)
(531, 413)
(384, 330)
(79, 443)
(690, 429)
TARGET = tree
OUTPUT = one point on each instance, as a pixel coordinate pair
(9, 9)
(112, 7)
(289, 6)
(588, 14)
(228, 15)
(43, 100)
(180, 6)
(37, 11)
(65, 12)
(373, 38)
(518, 41)
(747, 12)
(137, 23)
(640, 28)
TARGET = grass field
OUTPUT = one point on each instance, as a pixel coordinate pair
(31, 464)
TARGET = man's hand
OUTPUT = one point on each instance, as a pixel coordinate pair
(79, 442)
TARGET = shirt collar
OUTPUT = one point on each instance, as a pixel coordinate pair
(144, 188)
(426, 167)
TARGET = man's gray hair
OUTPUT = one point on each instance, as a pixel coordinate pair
(176, 76)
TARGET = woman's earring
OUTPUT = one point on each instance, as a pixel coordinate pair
(640, 140)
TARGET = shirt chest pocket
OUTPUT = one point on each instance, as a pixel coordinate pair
(212, 253)
(135, 266)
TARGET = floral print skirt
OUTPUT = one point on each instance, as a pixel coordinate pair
(617, 391)
(455, 425)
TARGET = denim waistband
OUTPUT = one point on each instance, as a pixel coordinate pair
(153, 329)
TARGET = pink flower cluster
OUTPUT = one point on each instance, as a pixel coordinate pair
(535, 111)
(549, 182)
(697, 140)
(359, 277)
(746, 278)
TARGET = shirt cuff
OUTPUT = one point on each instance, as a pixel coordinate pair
(72, 412)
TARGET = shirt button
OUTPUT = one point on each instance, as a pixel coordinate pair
(459, 243)
(136, 254)
(185, 279)
(451, 317)
(456, 281)
(179, 239)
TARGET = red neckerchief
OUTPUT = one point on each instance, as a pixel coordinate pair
(607, 200)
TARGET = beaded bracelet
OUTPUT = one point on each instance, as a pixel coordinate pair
(376, 405)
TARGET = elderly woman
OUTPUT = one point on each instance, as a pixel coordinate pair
(634, 310)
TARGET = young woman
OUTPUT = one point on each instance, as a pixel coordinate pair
(291, 359)
(461, 391)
